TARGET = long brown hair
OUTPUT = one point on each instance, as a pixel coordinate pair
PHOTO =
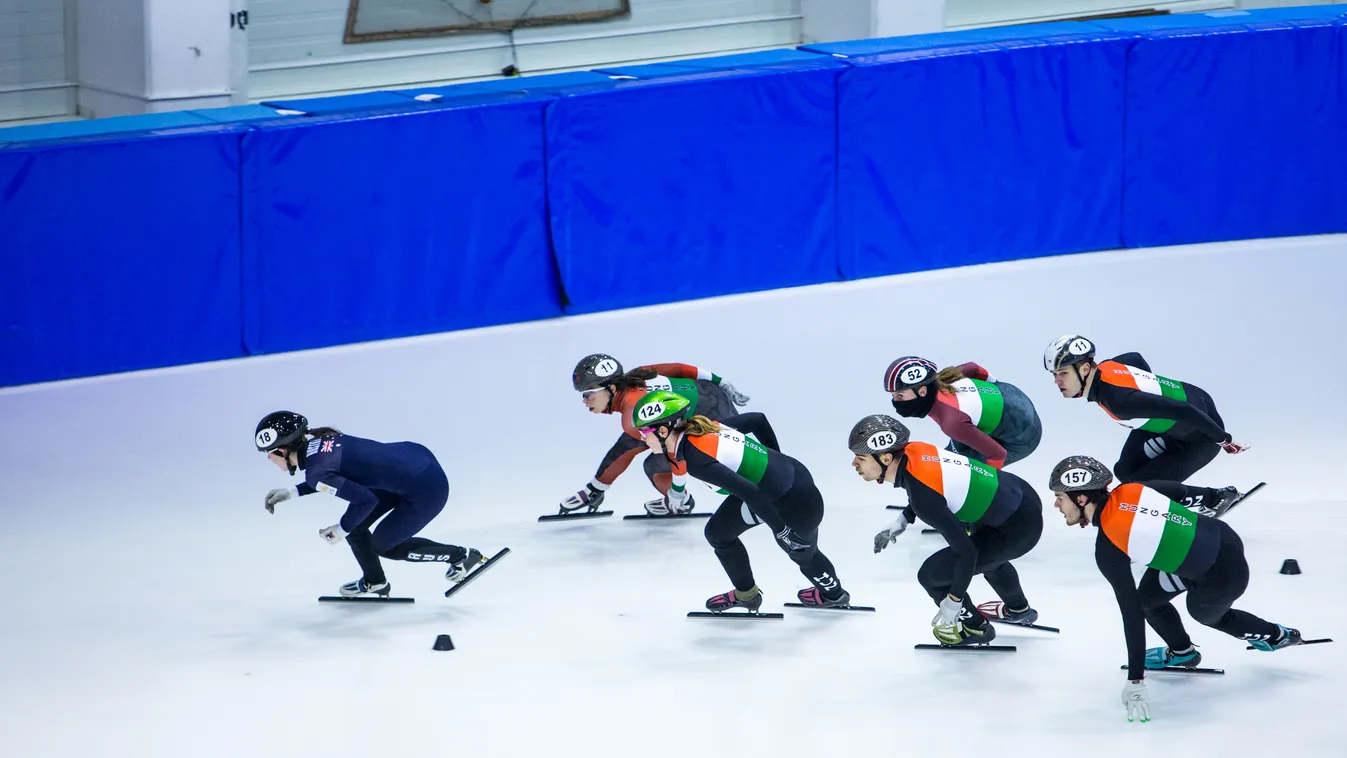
(947, 377)
(323, 431)
(699, 425)
(637, 377)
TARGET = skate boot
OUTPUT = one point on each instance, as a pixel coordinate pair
(657, 507)
(967, 635)
(814, 598)
(361, 587)
(736, 599)
(1285, 638)
(995, 609)
(1163, 658)
(458, 570)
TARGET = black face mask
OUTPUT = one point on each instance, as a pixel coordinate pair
(918, 406)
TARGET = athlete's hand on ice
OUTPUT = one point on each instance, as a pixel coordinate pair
(280, 496)
(1134, 700)
(890, 533)
(589, 497)
(1233, 447)
(791, 540)
(736, 397)
(333, 534)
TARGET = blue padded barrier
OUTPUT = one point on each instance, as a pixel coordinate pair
(319, 106)
(788, 58)
(238, 114)
(1060, 30)
(721, 181)
(532, 84)
(119, 255)
(984, 152)
(427, 220)
(59, 130)
(1235, 126)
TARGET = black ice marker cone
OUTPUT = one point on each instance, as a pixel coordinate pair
(443, 642)
(1289, 566)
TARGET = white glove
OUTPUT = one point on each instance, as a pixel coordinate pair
(280, 496)
(678, 502)
(890, 533)
(946, 622)
(1134, 700)
(736, 397)
(333, 534)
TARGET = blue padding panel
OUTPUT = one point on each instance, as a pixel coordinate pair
(788, 58)
(426, 221)
(90, 127)
(119, 255)
(540, 83)
(682, 188)
(239, 114)
(883, 45)
(342, 103)
(956, 157)
(1237, 134)
(1216, 19)
(652, 70)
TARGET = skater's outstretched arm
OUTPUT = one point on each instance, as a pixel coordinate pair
(1127, 403)
(1117, 569)
(930, 507)
(756, 424)
(362, 500)
(618, 458)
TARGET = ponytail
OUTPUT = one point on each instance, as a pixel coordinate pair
(947, 377)
(699, 425)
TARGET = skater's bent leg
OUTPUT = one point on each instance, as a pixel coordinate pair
(937, 574)
(1156, 590)
(394, 538)
(1211, 598)
(361, 544)
(730, 520)
(1178, 462)
(659, 472)
(1005, 582)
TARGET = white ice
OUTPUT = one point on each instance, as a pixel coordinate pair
(154, 608)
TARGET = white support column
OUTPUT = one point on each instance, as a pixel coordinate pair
(838, 20)
(152, 56)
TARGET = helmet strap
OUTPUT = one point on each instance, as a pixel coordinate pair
(883, 470)
(1080, 392)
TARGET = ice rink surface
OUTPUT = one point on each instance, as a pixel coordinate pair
(154, 608)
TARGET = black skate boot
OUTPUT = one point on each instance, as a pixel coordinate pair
(736, 599)
(458, 570)
(360, 587)
(814, 598)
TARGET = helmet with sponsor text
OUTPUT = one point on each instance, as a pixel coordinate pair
(594, 371)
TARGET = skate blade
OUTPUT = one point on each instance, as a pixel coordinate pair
(365, 599)
(575, 516)
(667, 517)
(1181, 670)
(969, 648)
(1039, 627)
(730, 615)
(480, 568)
(831, 607)
(1319, 641)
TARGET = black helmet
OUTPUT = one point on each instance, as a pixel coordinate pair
(1067, 350)
(878, 434)
(594, 371)
(280, 429)
(1079, 473)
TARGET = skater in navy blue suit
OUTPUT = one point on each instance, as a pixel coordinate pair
(400, 482)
